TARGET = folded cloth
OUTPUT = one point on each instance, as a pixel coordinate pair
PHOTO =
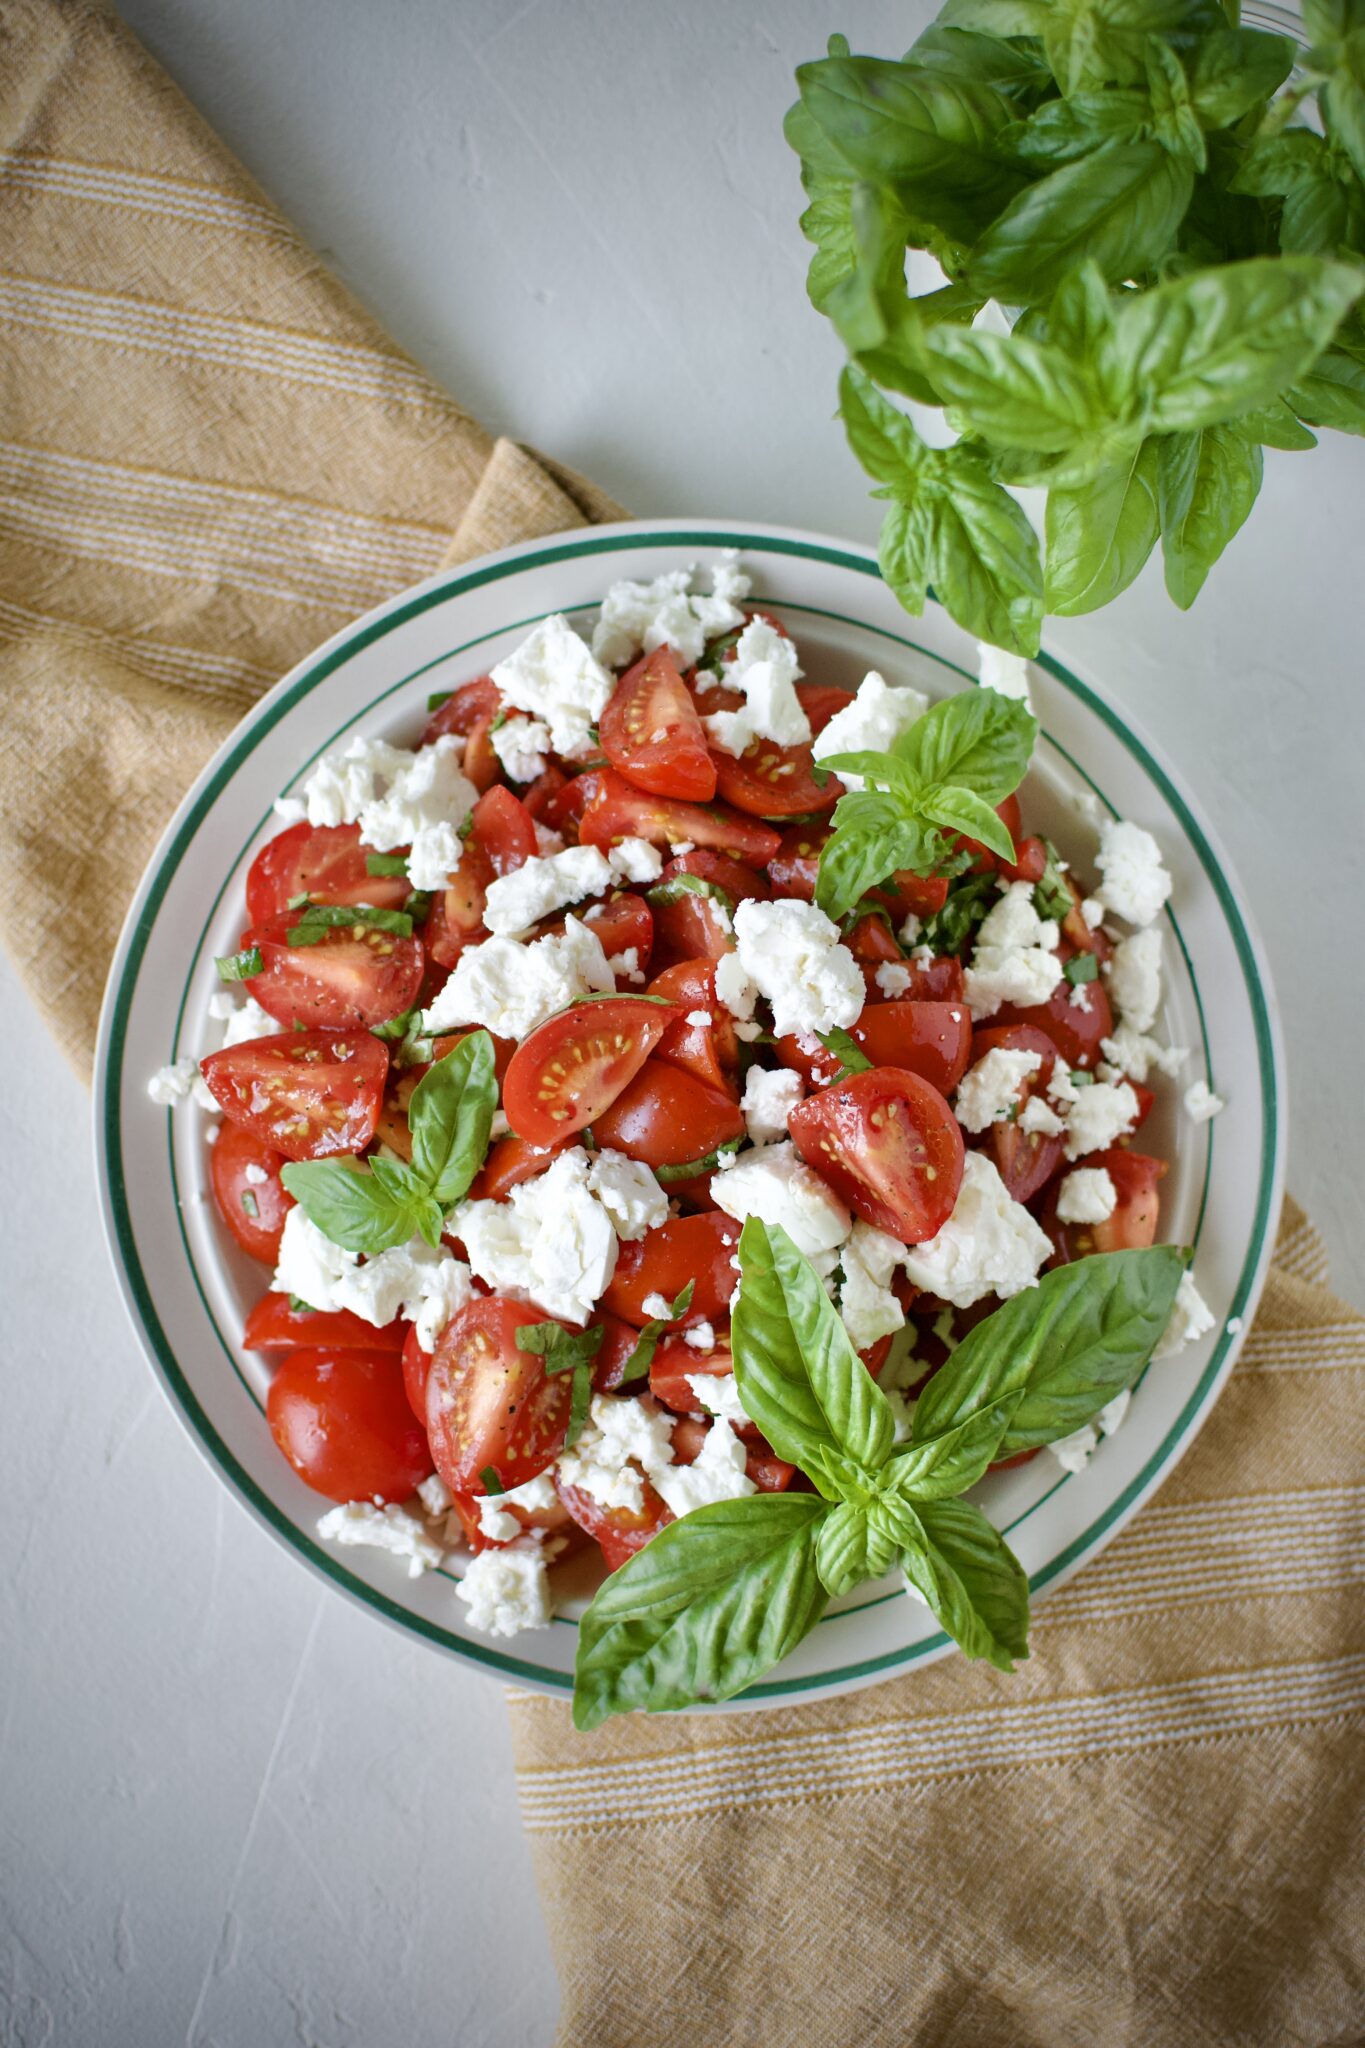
(1151, 1833)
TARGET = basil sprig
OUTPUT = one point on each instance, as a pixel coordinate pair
(373, 1207)
(719, 1597)
(941, 777)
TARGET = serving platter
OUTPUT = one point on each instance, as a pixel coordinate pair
(188, 1288)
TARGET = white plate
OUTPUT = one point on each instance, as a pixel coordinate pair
(187, 1289)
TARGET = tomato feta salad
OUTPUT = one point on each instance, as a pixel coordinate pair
(527, 1022)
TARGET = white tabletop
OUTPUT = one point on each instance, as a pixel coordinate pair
(234, 1810)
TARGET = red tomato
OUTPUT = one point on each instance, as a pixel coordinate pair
(618, 1342)
(1076, 1032)
(932, 1040)
(501, 838)
(872, 941)
(466, 1506)
(1029, 863)
(326, 862)
(983, 860)
(307, 1093)
(481, 764)
(622, 924)
(503, 1049)
(1076, 933)
(667, 1117)
(906, 894)
(771, 781)
(821, 702)
(355, 976)
(505, 829)
(538, 794)
(695, 1248)
(253, 1209)
(416, 1367)
(769, 1472)
(342, 1420)
(710, 1051)
(693, 928)
(934, 981)
(464, 708)
(674, 1359)
(735, 877)
(619, 1531)
(574, 1066)
(889, 1146)
(1025, 1160)
(491, 1405)
(792, 869)
(510, 1161)
(1132, 1227)
(651, 732)
(616, 811)
(274, 1326)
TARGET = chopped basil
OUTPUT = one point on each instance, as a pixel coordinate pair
(1081, 1079)
(691, 1167)
(386, 863)
(1081, 967)
(685, 884)
(498, 720)
(952, 929)
(491, 1481)
(299, 1307)
(642, 1357)
(562, 1350)
(250, 1204)
(579, 1402)
(437, 698)
(1052, 896)
(320, 918)
(846, 1049)
(418, 906)
(298, 902)
(240, 966)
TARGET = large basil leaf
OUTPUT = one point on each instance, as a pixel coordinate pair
(1119, 207)
(1235, 69)
(450, 1117)
(1066, 1346)
(1099, 534)
(986, 567)
(967, 1573)
(1333, 393)
(851, 1547)
(1323, 199)
(873, 838)
(362, 1210)
(882, 437)
(979, 59)
(1208, 486)
(797, 1374)
(709, 1605)
(977, 739)
(1175, 124)
(948, 1464)
(1022, 393)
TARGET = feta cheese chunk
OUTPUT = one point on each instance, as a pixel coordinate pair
(524, 746)
(628, 1192)
(1086, 1195)
(434, 1495)
(638, 617)
(1101, 1115)
(542, 885)
(990, 1089)
(734, 988)
(398, 799)
(181, 1082)
(1006, 673)
(1190, 1320)
(867, 1304)
(635, 860)
(878, 715)
(777, 1185)
(1013, 961)
(701, 1336)
(1201, 1103)
(242, 1021)
(556, 677)
(717, 1394)
(501, 1526)
(1136, 883)
(391, 1528)
(622, 1441)
(792, 953)
(551, 1242)
(1134, 977)
(1073, 1453)
(506, 1591)
(427, 1287)
(716, 1473)
(989, 1245)
(766, 669)
(511, 988)
(893, 978)
(769, 1099)
(1132, 1053)
(1038, 1117)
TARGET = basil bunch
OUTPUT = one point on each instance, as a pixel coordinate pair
(718, 1598)
(1181, 265)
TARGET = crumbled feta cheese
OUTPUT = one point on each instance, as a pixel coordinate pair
(656, 1307)
(1190, 1320)
(551, 1242)
(547, 842)
(867, 1304)
(1061, 1089)
(255, 1176)
(768, 1100)
(1134, 977)
(412, 1280)
(1113, 1412)
(1132, 1053)
(626, 966)
(1092, 910)
(734, 988)
(398, 799)
(792, 952)
(1087, 805)
(1201, 1103)
(511, 988)
(989, 1245)
(434, 1495)
(181, 1082)
(555, 676)
(681, 847)
(635, 860)
(1038, 1119)
(1136, 882)
(291, 810)
(1073, 1453)
(1003, 672)
(702, 1020)
(638, 617)
(701, 1336)
(877, 716)
(621, 1436)
(1099, 1117)
(717, 1394)
(628, 1192)
(766, 669)
(1079, 999)
(716, 1473)
(541, 886)
(1013, 961)
(507, 1591)
(495, 1520)
(893, 978)
(524, 747)
(1086, 1195)
(243, 1021)
(777, 1185)
(991, 1088)
(389, 1528)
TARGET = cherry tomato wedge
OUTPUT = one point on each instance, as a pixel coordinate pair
(574, 1066)
(616, 811)
(621, 924)
(695, 1248)
(889, 1146)
(673, 1360)
(511, 1161)
(343, 1421)
(939, 980)
(491, 1405)
(710, 1051)
(416, 1366)
(667, 1117)
(464, 708)
(692, 927)
(1025, 1160)
(501, 838)
(551, 1519)
(351, 977)
(274, 1326)
(307, 1093)
(793, 868)
(1075, 1028)
(932, 1040)
(772, 781)
(613, 1354)
(619, 1531)
(651, 732)
(1131, 1227)
(244, 1174)
(326, 862)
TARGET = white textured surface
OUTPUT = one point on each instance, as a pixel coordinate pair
(232, 1809)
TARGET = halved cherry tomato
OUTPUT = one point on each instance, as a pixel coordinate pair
(772, 781)
(651, 732)
(491, 1405)
(574, 1066)
(326, 862)
(342, 1420)
(480, 764)
(710, 1051)
(307, 1093)
(1025, 1160)
(1076, 1029)
(938, 980)
(1029, 863)
(274, 1326)
(244, 1174)
(613, 1354)
(1132, 1226)
(793, 868)
(739, 881)
(906, 894)
(553, 1519)
(673, 1360)
(617, 811)
(352, 977)
(505, 829)
(1080, 936)
(501, 838)
(416, 1366)
(872, 941)
(693, 927)
(538, 794)
(769, 1473)
(821, 702)
(933, 1040)
(695, 1248)
(889, 1146)
(511, 1161)
(464, 708)
(666, 1116)
(619, 1531)
(622, 924)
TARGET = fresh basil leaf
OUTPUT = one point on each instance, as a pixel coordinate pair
(966, 1572)
(299, 1307)
(798, 1376)
(952, 929)
(642, 1357)
(580, 1401)
(1119, 207)
(961, 810)
(985, 566)
(1274, 426)
(711, 1603)
(1234, 70)
(1208, 486)
(1081, 967)
(1063, 129)
(1052, 897)
(872, 838)
(1066, 1347)
(1100, 534)
(1175, 124)
(398, 1180)
(980, 59)
(386, 864)
(436, 698)
(561, 1349)
(949, 1463)
(1021, 393)
(978, 741)
(905, 552)
(247, 1198)
(881, 436)
(684, 884)
(851, 1548)
(320, 918)
(450, 1117)
(353, 1207)
(690, 1168)
(240, 966)
(846, 1049)
(1332, 394)
(1342, 97)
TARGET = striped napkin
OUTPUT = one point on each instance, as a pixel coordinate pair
(1151, 1834)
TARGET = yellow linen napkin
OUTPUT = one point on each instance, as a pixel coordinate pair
(1151, 1834)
